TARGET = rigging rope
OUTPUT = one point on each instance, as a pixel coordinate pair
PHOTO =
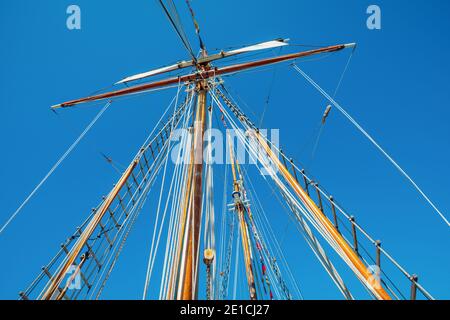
(209, 233)
(236, 265)
(153, 248)
(196, 26)
(221, 291)
(369, 137)
(178, 27)
(55, 166)
(328, 108)
(269, 95)
(172, 245)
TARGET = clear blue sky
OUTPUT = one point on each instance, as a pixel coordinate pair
(397, 87)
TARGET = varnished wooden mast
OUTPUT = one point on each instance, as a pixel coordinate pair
(189, 274)
(239, 206)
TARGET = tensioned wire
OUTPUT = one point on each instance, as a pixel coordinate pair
(172, 234)
(338, 86)
(172, 231)
(153, 248)
(209, 229)
(170, 267)
(272, 280)
(174, 228)
(337, 280)
(312, 242)
(372, 140)
(176, 23)
(55, 166)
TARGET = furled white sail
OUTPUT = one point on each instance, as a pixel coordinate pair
(184, 64)
(150, 73)
(260, 46)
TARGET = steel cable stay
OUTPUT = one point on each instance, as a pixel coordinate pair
(180, 173)
(173, 232)
(154, 247)
(196, 25)
(369, 137)
(176, 24)
(209, 256)
(124, 235)
(328, 108)
(54, 167)
(186, 142)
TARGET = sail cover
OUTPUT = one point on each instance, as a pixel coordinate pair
(260, 46)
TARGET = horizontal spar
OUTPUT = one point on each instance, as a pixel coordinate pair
(202, 75)
(204, 60)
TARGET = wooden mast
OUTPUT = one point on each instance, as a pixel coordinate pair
(191, 246)
(239, 205)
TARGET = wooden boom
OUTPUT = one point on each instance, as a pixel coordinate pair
(202, 75)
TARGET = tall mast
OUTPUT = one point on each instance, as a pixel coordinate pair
(189, 272)
(240, 209)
